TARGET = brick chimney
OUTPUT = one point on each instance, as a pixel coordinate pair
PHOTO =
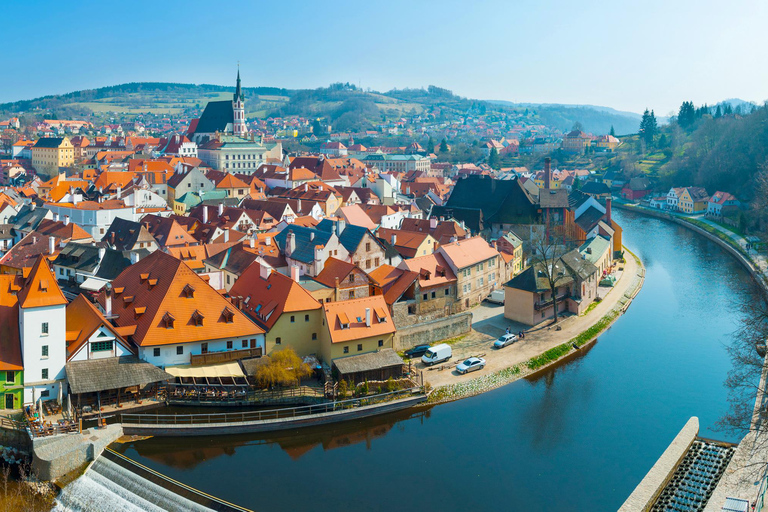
(367, 317)
(608, 209)
(547, 172)
(295, 273)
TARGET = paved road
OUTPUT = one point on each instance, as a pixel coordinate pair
(489, 323)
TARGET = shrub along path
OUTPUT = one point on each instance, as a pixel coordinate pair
(539, 348)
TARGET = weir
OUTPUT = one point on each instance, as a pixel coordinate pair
(116, 483)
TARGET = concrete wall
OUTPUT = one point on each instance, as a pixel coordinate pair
(430, 332)
(54, 457)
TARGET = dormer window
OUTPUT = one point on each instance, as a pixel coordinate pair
(168, 320)
(197, 318)
(128, 299)
(152, 283)
(344, 320)
(228, 315)
(188, 292)
(143, 277)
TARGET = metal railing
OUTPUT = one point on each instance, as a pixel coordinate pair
(542, 304)
(267, 414)
(190, 396)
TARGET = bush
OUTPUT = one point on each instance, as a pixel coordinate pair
(342, 389)
(391, 385)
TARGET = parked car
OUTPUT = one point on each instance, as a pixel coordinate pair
(506, 339)
(437, 354)
(470, 365)
(416, 351)
(496, 296)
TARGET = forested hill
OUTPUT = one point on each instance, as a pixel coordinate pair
(346, 106)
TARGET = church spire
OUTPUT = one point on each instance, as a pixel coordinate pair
(238, 92)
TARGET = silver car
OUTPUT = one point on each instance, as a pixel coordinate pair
(506, 339)
(470, 365)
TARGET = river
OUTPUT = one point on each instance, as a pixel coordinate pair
(578, 437)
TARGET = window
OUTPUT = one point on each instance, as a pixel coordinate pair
(229, 345)
(45, 393)
(368, 247)
(278, 340)
(424, 297)
(179, 350)
(368, 263)
(10, 376)
(480, 282)
(359, 347)
(381, 343)
(245, 344)
(293, 319)
(376, 262)
(346, 350)
(156, 352)
(479, 267)
(447, 291)
(314, 335)
(204, 348)
(434, 294)
(44, 328)
(306, 318)
(101, 346)
(351, 278)
(45, 350)
(45, 374)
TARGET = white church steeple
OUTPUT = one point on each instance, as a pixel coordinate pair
(238, 108)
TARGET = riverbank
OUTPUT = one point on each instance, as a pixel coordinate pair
(542, 349)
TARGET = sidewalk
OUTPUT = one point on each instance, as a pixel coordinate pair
(537, 341)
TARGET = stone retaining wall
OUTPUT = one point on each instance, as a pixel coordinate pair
(54, 457)
(649, 488)
(430, 332)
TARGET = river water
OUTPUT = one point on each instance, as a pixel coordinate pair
(578, 437)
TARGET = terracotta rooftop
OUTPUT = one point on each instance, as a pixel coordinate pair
(346, 319)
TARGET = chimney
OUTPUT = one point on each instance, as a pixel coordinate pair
(319, 263)
(119, 192)
(52, 245)
(306, 187)
(102, 252)
(252, 243)
(295, 273)
(134, 258)
(342, 226)
(205, 214)
(367, 317)
(290, 243)
(394, 239)
(311, 236)
(432, 223)
(56, 217)
(226, 235)
(547, 172)
(108, 301)
(264, 271)
(221, 209)
(298, 207)
(66, 220)
(608, 209)
(32, 206)
(268, 241)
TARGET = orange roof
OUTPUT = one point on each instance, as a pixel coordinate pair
(352, 313)
(109, 204)
(433, 270)
(40, 288)
(112, 179)
(333, 269)
(356, 216)
(266, 299)
(82, 321)
(10, 345)
(231, 181)
(172, 295)
(467, 252)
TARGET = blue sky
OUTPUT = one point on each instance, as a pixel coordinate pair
(624, 55)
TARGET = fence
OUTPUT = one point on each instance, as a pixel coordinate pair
(267, 414)
(224, 357)
(180, 395)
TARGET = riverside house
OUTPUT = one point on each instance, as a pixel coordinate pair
(171, 313)
(355, 327)
(720, 203)
(287, 312)
(528, 296)
(477, 267)
(693, 200)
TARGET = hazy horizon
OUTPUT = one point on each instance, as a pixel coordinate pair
(627, 57)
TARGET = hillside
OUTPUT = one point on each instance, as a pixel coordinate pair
(347, 107)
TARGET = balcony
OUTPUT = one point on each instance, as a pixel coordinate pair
(224, 357)
(543, 304)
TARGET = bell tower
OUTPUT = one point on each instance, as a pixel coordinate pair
(238, 109)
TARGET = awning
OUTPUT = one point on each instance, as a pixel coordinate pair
(93, 284)
(211, 371)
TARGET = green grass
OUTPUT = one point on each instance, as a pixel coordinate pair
(549, 356)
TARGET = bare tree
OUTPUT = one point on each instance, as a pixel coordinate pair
(546, 251)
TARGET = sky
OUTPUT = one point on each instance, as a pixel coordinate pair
(626, 55)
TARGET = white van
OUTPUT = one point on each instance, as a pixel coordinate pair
(496, 296)
(437, 354)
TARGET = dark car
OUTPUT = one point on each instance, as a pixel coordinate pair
(416, 351)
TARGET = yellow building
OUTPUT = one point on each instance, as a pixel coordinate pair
(693, 200)
(289, 314)
(49, 154)
(354, 327)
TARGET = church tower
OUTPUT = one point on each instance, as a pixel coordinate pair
(238, 108)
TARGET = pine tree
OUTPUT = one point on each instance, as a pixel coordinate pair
(443, 146)
(493, 159)
(613, 132)
(648, 128)
(686, 116)
(718, 112)
(430, 145)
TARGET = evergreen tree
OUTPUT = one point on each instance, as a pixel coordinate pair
(443, 146)
(648, 128)
(613, 132)
(718, 112)
(493, 159)
(430, 145)
(686, 115)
